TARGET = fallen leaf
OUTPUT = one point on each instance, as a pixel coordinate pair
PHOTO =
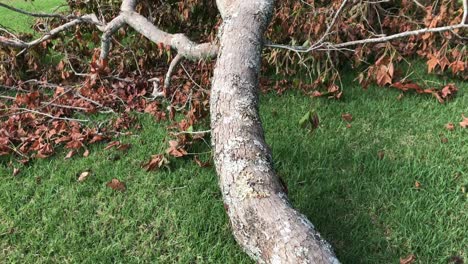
(175, 150)
(16, 171)
(400, 96)
(316, 94)
(156, 162)
(112, 144)
(464, 123)
(347, 117)
(116, 185)
(381, 154)
(70, 154)
(450, 126)
(86, 153)
(456, 260)
(124, 147)
(200, 163)
(417, 184)
(96, 138)
(83, 176)
(408, 260)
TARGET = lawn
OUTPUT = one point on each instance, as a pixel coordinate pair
(382, 189)
(22, 23)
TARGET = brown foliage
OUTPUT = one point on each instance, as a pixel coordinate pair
(36, 121)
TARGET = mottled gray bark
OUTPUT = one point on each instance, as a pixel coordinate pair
(263, 221)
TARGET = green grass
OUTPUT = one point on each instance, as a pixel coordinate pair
(368, 208)
(22, 23)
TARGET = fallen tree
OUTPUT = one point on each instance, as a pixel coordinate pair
(263, 221)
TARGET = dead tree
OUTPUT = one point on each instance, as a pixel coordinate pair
(263, 221)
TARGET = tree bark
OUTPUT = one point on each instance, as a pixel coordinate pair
(263, 222)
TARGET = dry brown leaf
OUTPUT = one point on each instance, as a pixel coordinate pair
(381, 154)
(156, 162)
(124, 147)
(86, 153)
(417, 184)
(464, 123)
(83, 176)
(201, 163)
(347, 117)
(450, 126)
(175, 150)
(116, 185)
(70, 154)
(112, 144)
(408, 260)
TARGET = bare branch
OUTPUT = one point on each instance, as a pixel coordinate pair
(203, 132)
(49, 104)
(91, 18)
(187, 48)
(51, 116)
(174, 63)
(399, 35)
(327, 32)
(109, 30)
(419, 4)
(465, 12)
(321, 45)
(340, 46)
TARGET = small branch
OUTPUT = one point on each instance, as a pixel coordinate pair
(465, 12)
(320, 45)
(109, 30)
(327, 32)
(191, 79)
(419, 4)
(184, 46)
(399, 35)
(49, 104)
(172, 66)
(331, 46)
(51, 116)
(25, 45)
(192, 132)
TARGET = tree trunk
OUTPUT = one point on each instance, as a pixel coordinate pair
(263, 222)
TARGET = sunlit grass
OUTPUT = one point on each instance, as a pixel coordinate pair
(23, 23)
(367, 205)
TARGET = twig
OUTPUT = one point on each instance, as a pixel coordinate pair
(50, 104)
(174, 63)
(51, 116)
(91, 18)
(465, 12)
(320, 45)
(192, 132)
(191, 78)
(419, 4)
(330, 46)
(327, 32)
